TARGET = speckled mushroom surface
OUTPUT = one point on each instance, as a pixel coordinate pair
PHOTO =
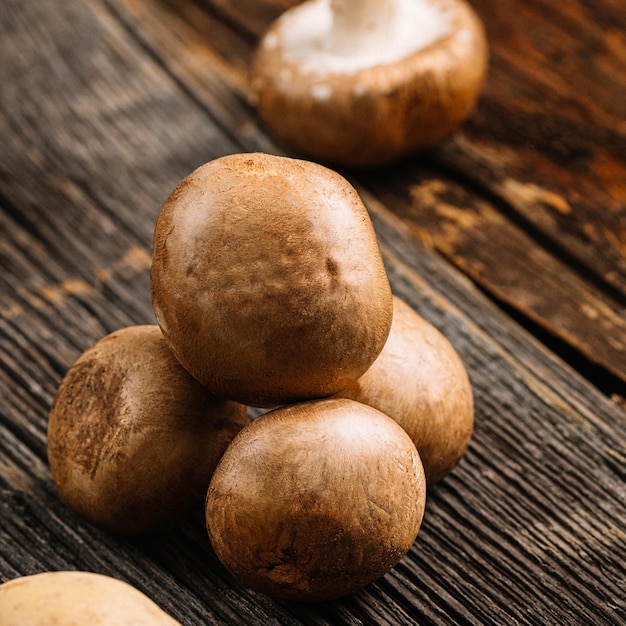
(315, 500)
(267, 279)
(133, 439)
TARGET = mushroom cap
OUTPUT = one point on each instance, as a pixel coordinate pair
(420, 381)
(315, 500)
(133, 439)
(77, 598)
(369, 116)
(267, 279)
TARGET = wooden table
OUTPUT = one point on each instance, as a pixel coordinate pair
(510, 237)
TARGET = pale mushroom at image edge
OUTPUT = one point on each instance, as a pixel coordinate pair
(365, 83)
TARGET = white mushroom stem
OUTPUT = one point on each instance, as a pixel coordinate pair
(361, 25)
(344, 36)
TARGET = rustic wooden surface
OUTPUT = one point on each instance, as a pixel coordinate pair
(510, 237)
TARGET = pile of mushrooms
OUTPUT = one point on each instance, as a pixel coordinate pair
(269, 290)
(362, 83)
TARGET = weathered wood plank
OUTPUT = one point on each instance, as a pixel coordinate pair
(549, 135)
(514, 266)
(87, 112)
(547, 144)
(528, 529)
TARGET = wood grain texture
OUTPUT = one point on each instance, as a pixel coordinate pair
(106, 105)
(534, 206)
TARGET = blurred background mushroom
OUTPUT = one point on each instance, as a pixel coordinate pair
(362, 84)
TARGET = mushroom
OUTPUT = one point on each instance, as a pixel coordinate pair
(75, 599)
(361, 83)
(420, 381)
(132, 438)
(315, 500)
(267, 279)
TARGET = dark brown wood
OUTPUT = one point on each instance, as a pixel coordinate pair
(106, 104)
(516, 265)
(533, 190)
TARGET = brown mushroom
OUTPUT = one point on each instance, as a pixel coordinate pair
(420, 381)
(362, 83)
(267, 279)
(315, 500)
(77, 599)
(133, 439)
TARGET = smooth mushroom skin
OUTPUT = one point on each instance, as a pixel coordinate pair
(133, 439)
(367, 117)
(315, 500)
(73, 598)
(420, 381)
(267, 279)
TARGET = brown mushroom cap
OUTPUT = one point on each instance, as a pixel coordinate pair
(267, 279)
(75, 599)
(315, 500)
(133, 439)
(370, 116)
(420, 381)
